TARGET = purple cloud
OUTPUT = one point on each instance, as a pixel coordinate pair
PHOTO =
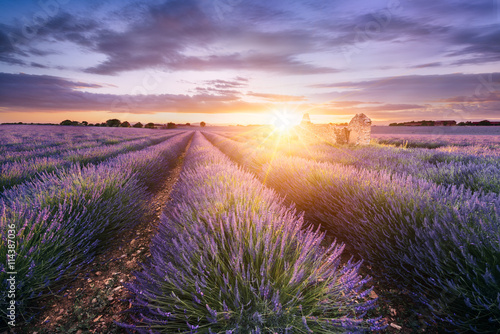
(24, 92)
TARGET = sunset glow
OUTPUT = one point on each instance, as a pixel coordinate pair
(232, 61)
(284, 120)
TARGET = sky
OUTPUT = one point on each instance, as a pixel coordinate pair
(244, 62)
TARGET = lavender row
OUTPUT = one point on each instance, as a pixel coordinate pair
(61, 219)
(441, 243)
(478, 172)
(31, 137)
(10, 156)
(485, 141)
(229, 257)
(13, 173)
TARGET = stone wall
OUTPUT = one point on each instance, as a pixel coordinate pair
(357, 133)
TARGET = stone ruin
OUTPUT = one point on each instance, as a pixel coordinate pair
(306, 120)
(358, 132)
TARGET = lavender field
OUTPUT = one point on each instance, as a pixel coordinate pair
(261, 232)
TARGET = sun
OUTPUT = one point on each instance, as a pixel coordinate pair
(283, 120)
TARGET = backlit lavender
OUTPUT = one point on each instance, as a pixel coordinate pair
(439, 242)
(230, 257)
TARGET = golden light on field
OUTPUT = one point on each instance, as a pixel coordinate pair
(284, 120)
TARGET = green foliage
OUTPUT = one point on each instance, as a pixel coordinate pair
(113, 122)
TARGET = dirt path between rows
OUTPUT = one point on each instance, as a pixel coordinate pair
(98, 298)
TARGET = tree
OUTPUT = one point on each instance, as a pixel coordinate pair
(85, 123)
(125, 124)
(113, 122)
(188, 124)
(202, 124)
(485, 122)
(171, 125)
(150, 126)
(138, 125)
(66, 122)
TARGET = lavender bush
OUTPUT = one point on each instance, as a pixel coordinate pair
(439, 242)
(230, 257)
(61, 218)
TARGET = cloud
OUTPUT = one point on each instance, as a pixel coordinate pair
(278, 97)
(434, 64)
(492, 97)
(418, 88)
(481, 44)
(164, 36)
(394, 107)
(238, 82)
(251, 61)
(347, 104)
(42, 93)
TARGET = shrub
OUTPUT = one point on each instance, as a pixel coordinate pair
(67, 122)
(113, 122)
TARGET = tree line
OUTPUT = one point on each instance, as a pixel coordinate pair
(114, 123)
